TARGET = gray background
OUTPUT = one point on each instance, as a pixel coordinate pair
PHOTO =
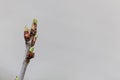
(78, 39)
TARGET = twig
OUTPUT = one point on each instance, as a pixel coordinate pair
(30, 37)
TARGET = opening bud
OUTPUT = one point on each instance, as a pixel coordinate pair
(35, 21)
(31, 49)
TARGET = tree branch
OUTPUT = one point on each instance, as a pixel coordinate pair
(30, 37)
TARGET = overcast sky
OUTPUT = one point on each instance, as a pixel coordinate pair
(77, 39)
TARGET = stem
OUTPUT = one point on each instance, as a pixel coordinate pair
(25, 64)
(23, 70)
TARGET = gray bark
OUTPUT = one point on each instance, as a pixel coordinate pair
(24, 65)
(23, 70)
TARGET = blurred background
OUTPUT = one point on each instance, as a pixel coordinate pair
(77, 39)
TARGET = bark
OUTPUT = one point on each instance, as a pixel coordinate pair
(25, 64)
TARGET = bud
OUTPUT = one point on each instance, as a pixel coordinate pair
(16, 78)
(26, 34)
(34, 25)
(30, 53)
(31, 49)
(34, 40)
(35, 21)
(33, 30)
(25, 28)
